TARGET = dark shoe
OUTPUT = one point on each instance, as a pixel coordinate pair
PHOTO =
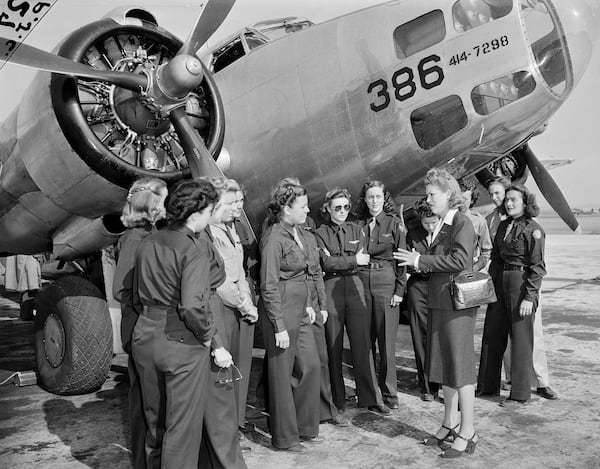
(247, 427)
(380, 409)
(435, 441)
(391, 403)
(315, 440)
(513, 403)
(245, 449)
(470, 449)
(297, 448)
(547, 393)
(427, 397)
(339, 421)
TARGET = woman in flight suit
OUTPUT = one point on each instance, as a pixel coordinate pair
(143, 208)
(291, 352)
(517, 269)
(450, 345)
(220, 443)
(342, 246)
(384, 280)
(171, 338)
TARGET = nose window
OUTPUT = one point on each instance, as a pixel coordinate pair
(493, 95)
(546, 41)
(469, 14)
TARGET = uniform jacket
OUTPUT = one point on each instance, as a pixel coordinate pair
(123, 279)
(388, 235)
(450, 254)
(251, 256)
(483, 241)
(172, 272)
(338, 246)
(281, 260)
(314, 269)
(493, 220)
(524, 246)
(417, 239)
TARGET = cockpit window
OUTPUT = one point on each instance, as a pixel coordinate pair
(419, 34)
(253, 41)
(434, 123)
(493, 95)
(229, 54)
(546, 44)
(469, 14)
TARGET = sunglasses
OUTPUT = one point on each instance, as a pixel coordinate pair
(222, 377)
(339, 208)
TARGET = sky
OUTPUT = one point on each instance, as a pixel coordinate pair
(573, 131)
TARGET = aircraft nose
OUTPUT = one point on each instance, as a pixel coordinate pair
(580, 20)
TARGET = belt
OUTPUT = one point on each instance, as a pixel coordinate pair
(339, 274)
(378, 265)
(419, 276)
(156, 313)
(514, 267)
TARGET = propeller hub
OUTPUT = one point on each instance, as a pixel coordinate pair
(182, 74)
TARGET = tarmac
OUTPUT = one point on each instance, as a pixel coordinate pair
(38, 429)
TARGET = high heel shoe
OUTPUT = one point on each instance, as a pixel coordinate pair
(470, 448)
(435, 441)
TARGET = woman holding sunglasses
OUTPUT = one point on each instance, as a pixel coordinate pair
(342, 246)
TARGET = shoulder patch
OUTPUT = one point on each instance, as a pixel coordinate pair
(537, 234)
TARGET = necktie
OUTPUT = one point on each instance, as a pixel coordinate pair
(372, 224)
(228, 232)
(297, 239)
(510, 227)
(340, 237)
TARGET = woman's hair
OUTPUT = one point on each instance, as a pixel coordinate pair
(362, 211)
(531, 207)
(187, 198)
(423, 209)
(144, 202)
(446, 182)
(469, 185)
(502, 180)
(285, 193)
(336, 193)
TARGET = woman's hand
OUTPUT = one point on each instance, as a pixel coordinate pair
(222, 358)
(526, 308)
(282, 339)
(395, 301)
(324, 315)
(252, 315)
(311, 313)
(405, 257)
(362, 258)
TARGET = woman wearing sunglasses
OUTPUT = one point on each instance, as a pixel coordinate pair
(342, 246)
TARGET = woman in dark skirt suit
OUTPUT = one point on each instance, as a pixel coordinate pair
(451, 350)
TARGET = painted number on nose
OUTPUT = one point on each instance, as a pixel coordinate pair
(403, 83)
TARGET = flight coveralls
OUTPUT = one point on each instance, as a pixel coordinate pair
(171, 289)
(126, 250)
(517, 269)
(246, 341)
(418, 313)
(347, 307)
(294, 372)
(319, 303)
(123, 292)
(383, 278)
(220, 443)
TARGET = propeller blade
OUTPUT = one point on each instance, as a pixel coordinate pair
(200, 161)
(33, 57)
(550, 189)
(211, 17)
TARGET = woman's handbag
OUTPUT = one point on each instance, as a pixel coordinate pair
(472, 289)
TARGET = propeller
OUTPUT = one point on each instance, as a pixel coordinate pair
(33, 57)
(211, 17)
(549, 188)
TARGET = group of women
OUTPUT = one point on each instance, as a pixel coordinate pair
(314, 284)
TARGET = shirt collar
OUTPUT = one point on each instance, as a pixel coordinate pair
(449, 216)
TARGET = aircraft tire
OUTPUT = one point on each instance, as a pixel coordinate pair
(73, 337)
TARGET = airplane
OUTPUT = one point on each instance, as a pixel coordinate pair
(386, 92)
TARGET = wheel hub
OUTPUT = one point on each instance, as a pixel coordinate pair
(54, 340)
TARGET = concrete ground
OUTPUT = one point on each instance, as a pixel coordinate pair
(38, 429)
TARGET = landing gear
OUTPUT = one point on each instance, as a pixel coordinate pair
(73, 337)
